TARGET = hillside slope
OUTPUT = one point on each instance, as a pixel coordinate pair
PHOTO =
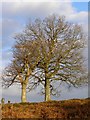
(76, 108)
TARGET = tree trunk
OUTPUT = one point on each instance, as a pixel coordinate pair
(47, 90)
(23, 95)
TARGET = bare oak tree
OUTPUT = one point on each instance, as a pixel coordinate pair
(24, 61)
(61, 52)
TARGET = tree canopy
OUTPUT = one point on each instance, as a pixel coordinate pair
(47, 51)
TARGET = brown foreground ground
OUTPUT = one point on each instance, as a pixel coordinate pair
(67, 109)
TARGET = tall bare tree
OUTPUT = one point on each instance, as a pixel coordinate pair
(61, 49)
(25, 58)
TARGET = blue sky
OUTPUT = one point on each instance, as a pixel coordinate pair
(14, 17)
(80, 6)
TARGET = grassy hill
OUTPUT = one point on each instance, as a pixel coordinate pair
(75, 108)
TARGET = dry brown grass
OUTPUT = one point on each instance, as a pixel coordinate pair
(67, 109)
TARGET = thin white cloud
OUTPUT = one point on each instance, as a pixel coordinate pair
(79, 16)
(35, 0)
(33, 10)
(29, 9)
(44, 0)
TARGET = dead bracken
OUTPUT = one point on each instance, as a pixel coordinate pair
(75, 108)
